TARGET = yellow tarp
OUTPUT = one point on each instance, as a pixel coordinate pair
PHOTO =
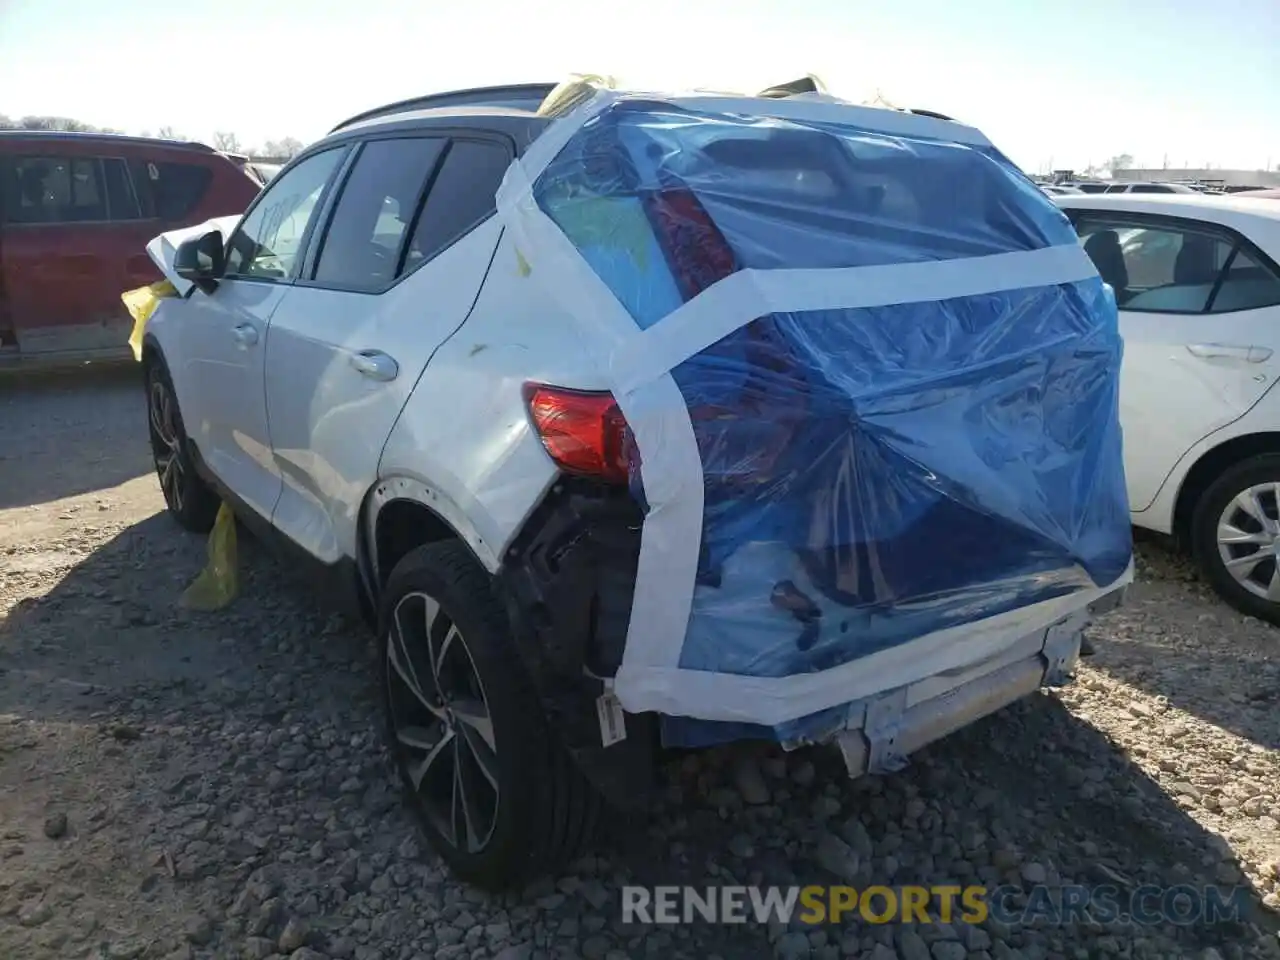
(217, 584)
(141, 304)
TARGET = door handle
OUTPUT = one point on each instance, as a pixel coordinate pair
(375, 365)
(246, 334)
(1229, 352)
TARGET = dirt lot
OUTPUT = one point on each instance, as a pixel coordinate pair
(213, 785)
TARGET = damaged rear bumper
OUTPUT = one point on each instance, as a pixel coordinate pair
(884, 730)
(567, 583)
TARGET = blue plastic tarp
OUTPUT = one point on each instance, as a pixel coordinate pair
(871, 475)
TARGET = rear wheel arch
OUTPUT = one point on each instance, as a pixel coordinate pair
(1209, 467)
(397, 520)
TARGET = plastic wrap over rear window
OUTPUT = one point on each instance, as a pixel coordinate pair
(786, 193)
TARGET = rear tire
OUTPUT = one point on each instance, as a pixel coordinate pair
(498, 796)
(1235, 536)
(190, 500)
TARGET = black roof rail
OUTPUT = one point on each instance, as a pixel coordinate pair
(107, 137)
(805, 84)
(931, 113)
(519, 96)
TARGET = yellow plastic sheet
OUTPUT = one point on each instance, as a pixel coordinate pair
(217, 584)
(141, 304)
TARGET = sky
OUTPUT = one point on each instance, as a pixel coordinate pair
(1055, 86)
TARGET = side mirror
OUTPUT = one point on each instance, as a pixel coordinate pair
(200, 260)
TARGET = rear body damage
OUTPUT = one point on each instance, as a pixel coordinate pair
(657, 422)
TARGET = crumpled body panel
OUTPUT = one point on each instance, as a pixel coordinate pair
(871, 474)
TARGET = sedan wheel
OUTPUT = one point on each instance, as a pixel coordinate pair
(1249, 539)
(1235, 536)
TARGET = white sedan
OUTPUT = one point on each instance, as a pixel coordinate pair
(1198, 286)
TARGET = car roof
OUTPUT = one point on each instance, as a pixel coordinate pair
(1260, 222)
(76, 136)
(514, 109)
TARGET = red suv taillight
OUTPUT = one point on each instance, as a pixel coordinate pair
(696, 250)
(584, 432)
(746, 435)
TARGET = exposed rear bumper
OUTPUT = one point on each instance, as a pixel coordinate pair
(884, 730)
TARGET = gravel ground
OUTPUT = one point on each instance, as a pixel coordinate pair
(212, 785)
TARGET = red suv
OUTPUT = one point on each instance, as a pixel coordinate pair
(76, 212)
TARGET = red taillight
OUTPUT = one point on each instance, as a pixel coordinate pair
(745, 436)
(696, 250)
(585, 433)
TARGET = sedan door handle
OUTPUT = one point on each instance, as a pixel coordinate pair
(1229, 352)
(246, 334)
(375, 365)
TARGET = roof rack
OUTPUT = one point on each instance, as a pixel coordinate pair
(519, 96)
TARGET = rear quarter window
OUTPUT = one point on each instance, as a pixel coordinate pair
(463, 194)
(173, 188)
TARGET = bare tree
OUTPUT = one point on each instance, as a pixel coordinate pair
(287, 147)
(168, 133)
(226, 142)
(61, 124)
(1123, 161)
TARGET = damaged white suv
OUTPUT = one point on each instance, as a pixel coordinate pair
(638, 420)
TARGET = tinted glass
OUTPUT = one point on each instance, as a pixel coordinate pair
(54, 190)
(462, 196)
(43, 190)
(1157, 268)
(176, 187)
(266, 245)
(122, 202)
(1248, 285)
(362, 244)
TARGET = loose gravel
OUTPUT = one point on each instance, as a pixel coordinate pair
(213, 785)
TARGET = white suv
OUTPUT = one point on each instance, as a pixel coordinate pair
(637, 421)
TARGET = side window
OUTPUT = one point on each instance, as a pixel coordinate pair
(462, 195)
(267, 243)
(1174, 269)
(55, 190)
(362, 245)
(122, 201)
(176, 188)
(1248, 285)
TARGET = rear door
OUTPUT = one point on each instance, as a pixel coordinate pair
(73, 242)
(1200, 316)
(396, 273)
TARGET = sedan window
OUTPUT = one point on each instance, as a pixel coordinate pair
(1158, 267)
